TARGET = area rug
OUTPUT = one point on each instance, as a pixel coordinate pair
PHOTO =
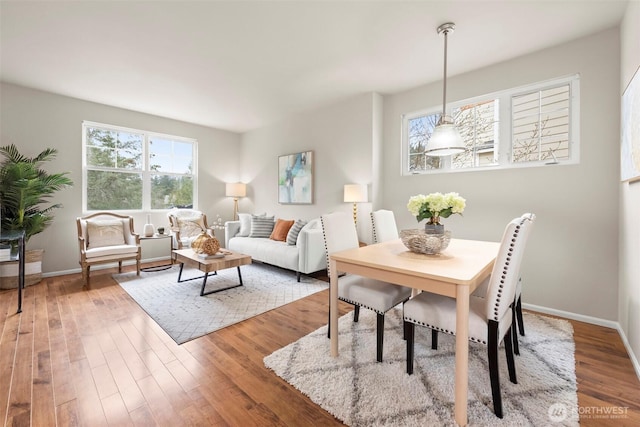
(361, 392)
(180, 310)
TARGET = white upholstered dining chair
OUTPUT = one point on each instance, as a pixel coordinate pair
(383, 226)
(516, 307)
(340, 234)
(490, 318)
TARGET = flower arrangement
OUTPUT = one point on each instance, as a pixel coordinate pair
(435, 205)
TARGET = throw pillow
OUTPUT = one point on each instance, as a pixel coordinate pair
(245, 224)
(190, 227)
(292, 235)
(281, 229)
(261, 226)
(108, 232)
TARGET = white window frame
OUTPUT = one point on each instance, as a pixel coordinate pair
(145, 172)
(505, 128)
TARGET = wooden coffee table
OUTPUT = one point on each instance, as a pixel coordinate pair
(231, 259)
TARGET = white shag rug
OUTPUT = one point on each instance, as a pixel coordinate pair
(180, 310)
(361, 392)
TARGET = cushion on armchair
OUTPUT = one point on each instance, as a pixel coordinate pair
(101, 233)
(190, 226)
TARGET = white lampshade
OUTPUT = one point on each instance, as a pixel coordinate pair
(236, 189)
(444, 141)
(356, 193)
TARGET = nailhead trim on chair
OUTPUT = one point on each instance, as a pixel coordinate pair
(326, 251)
(505, 272)
(417, 322)
(361, 305)
(373, 228)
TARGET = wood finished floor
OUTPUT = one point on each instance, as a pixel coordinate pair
(92, 357)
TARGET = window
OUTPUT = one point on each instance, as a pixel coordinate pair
(529, 126)
(128, 169)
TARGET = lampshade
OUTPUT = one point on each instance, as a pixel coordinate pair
(445, 139)
(356, 193)
(236, 189)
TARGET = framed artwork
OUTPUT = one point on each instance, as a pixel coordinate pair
(630, 150)
(295, 178)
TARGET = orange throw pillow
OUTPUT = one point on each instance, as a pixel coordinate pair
(281, 229)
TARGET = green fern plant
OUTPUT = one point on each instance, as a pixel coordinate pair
(26, 190)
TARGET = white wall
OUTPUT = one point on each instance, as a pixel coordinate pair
(341, 138)
(34, 120)
(571, 261)
(629, 298)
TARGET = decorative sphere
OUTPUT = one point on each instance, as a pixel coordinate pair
(205, 244)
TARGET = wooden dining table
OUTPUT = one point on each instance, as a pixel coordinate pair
(456, 272)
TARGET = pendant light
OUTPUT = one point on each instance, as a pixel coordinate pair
(445, 139)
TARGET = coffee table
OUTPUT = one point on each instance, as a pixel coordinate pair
(208, 265)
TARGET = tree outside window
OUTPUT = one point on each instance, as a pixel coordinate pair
(118, 177)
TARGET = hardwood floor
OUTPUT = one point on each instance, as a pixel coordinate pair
(92, 357)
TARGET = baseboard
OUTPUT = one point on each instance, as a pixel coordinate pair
(102, 267)
(573, 316)
(594, 321)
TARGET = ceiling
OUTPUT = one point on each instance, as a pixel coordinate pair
(239, 65)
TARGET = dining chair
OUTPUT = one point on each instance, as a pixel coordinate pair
(490, 318)
(383, 225)
(340, 234)
(516, 307)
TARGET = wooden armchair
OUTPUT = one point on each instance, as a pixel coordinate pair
(106, 237)
(186, 225)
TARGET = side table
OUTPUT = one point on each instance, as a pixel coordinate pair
(19, 237)
(163, 266)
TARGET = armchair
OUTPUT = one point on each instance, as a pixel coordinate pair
(106, 237)
(186, 225)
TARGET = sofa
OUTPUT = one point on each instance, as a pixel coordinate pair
(304, 253)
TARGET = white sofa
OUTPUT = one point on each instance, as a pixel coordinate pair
(306, 256)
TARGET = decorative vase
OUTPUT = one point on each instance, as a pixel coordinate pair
(148, 228)
(434, 226)
(422, 242)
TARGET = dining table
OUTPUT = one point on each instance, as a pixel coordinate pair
(455, 272)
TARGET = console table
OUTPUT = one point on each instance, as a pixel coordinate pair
(19, 237)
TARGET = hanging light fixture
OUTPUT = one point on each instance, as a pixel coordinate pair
(445, 139)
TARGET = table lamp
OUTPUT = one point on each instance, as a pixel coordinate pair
(356, 193)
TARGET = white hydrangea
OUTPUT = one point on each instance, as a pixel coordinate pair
(435, 205)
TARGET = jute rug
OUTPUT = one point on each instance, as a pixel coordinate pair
(361, 392)
(180, 310)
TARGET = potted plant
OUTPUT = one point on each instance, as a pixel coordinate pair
(25, 193)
